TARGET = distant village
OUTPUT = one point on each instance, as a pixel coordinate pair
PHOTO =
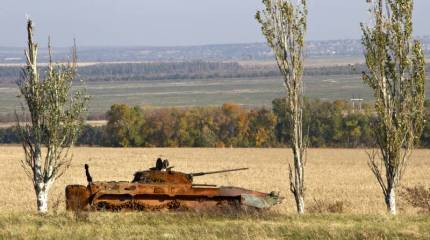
(222, 52)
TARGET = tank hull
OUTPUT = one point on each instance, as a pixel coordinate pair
(125, 196)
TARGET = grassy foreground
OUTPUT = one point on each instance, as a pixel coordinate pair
(199, 226)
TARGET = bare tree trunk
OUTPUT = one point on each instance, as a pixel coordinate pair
(42, 191)
(300, 204)
(390, 200)
(297, 184)
(41, 187)
(297, 179)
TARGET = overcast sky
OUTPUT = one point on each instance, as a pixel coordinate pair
(173, 22)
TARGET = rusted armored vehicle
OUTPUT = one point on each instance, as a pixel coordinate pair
(161, 188)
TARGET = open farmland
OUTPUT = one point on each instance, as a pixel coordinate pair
(201, 92)
(332, 175)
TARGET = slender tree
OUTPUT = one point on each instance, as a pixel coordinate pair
(283, 23)
(55, 119)
(396, 74)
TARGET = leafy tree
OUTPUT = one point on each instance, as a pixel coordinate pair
(202, 128)
(282, 125)
(397, 77)
(125, 125)
(232, 123)
(181, 133)
(352, 130)
(92, 136)
(261, 128)
(425, 137)
(55, 120)
(284, 25)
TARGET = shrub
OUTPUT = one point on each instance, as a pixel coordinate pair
(418, 197)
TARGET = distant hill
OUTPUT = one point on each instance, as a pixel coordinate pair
(223, 52)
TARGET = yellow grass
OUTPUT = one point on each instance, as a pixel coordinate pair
(331, 174)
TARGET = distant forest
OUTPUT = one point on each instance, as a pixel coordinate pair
(182, 70)
(327, 124)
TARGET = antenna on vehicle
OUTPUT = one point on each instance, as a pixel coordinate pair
(87, 173)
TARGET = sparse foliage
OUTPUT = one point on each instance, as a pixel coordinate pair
(396, 74)
(283, 23)
(55, 119)
(418, 197)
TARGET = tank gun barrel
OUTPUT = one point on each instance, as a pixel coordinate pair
(215, 172)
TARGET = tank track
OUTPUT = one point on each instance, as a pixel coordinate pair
(133, 205)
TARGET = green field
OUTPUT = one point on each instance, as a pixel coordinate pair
(200, 226)
(203, 92)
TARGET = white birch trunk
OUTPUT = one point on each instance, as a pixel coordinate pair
(300, 204)
(390, 200)
(42, 198)
(298, 163)
(40, 187)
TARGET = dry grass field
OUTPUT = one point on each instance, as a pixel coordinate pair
(331, 175)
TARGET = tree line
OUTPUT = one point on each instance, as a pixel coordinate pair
(326, 124)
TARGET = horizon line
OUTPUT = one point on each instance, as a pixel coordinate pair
(192, 45)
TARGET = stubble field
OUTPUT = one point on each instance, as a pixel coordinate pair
(331, 175)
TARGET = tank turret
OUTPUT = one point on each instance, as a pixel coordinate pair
(162, 173)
